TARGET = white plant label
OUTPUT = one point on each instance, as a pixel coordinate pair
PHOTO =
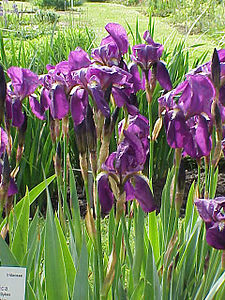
(12, 283)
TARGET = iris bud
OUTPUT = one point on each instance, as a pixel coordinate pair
(215, 69)
(157, 128)
(91, 139)
(90, 225)
(180, 187)
(58, 159)
(108, 128)
(52, 128)
(81, 139)
(5, 180)
(91, 130)
(21, 139)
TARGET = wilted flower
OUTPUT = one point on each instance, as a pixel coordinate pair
(212, 213)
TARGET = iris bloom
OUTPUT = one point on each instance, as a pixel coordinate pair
(148, 55)
(212, 213)
(205, 69)
(123, 168)
(23, 83)
(57, 85)
(187, 115)
(112, 47)
(139, 126)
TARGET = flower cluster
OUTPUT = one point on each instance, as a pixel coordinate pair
(90, 88)
(191, 109)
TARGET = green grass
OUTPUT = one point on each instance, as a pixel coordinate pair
(97, 15)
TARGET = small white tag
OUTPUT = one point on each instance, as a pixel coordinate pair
(12, 283)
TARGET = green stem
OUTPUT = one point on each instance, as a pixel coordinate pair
(206, 195)
(199, 176)
(65, 171)
(97, 285)
(87, 193)
(151, 145)
(99, 239)
(127, 240)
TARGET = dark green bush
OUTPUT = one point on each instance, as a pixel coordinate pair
(57, 4)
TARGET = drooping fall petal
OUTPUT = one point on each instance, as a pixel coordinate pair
(59, 104)
(106, 197)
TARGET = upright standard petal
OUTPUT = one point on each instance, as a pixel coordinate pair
(118, 33)
(106, 197)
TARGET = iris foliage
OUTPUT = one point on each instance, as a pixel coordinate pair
(114, 103)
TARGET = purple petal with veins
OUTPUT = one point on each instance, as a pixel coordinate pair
(59, 106)
(163, 76)
(78, 104)
(17, 115)
(105, 194)
(143, 194)
(36, 108)
(118, 33)
(24, 81)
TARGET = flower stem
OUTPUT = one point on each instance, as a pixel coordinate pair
(199, 176)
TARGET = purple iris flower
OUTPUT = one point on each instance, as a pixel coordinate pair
(117, 35)
(123, 167)
(62, 72)
(193, 135)
(187, 115)
(57, 86)
(212, 213)
(138, 125)
(55, 99)
(205, 69)
(106, 55)
(23, 83)
(112, 47)
(120, 81)
(147, 55)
